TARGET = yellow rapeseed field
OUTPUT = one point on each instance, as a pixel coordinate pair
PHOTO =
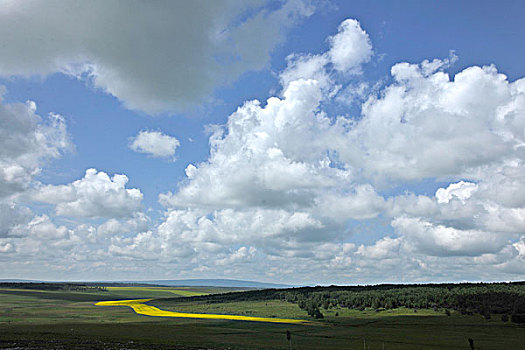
(143, 309)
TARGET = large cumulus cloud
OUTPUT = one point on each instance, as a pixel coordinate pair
(95, 195)
(154, 56)
(426, 124)
(288, 154)
(290, 191)
(27, 141)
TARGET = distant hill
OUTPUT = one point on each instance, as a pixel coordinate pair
(14, 280)
(217, 283)
(186, 283)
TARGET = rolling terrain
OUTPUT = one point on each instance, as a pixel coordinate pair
(66, 317)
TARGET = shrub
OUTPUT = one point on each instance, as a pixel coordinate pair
(517, 318)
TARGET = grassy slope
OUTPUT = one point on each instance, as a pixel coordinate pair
(271, 308)
(398, 329)
(79, 324)
(153, 292)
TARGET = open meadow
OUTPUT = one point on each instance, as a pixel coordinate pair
(63, 319)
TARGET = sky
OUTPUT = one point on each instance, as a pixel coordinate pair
(293, 141)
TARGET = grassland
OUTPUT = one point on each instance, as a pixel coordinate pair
(69, 319)
(156, 292)
(141, 307)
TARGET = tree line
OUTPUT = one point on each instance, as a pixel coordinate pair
(505, 299)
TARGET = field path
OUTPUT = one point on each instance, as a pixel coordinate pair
(143, 309)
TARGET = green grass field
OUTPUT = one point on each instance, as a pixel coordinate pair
(61, 319)
(154, 292)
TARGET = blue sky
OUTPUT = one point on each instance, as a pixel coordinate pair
(331, 191)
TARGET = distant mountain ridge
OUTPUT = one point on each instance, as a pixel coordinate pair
(15, 280)
(182, 283)
(217, 283)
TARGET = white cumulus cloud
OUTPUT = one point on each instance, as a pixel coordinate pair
(461, 190)
(441, 240)
(427, 125)
(154, 143)
(265, 156)
(95, 195)
(349, 49)
(27, 142)
(11, 216)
